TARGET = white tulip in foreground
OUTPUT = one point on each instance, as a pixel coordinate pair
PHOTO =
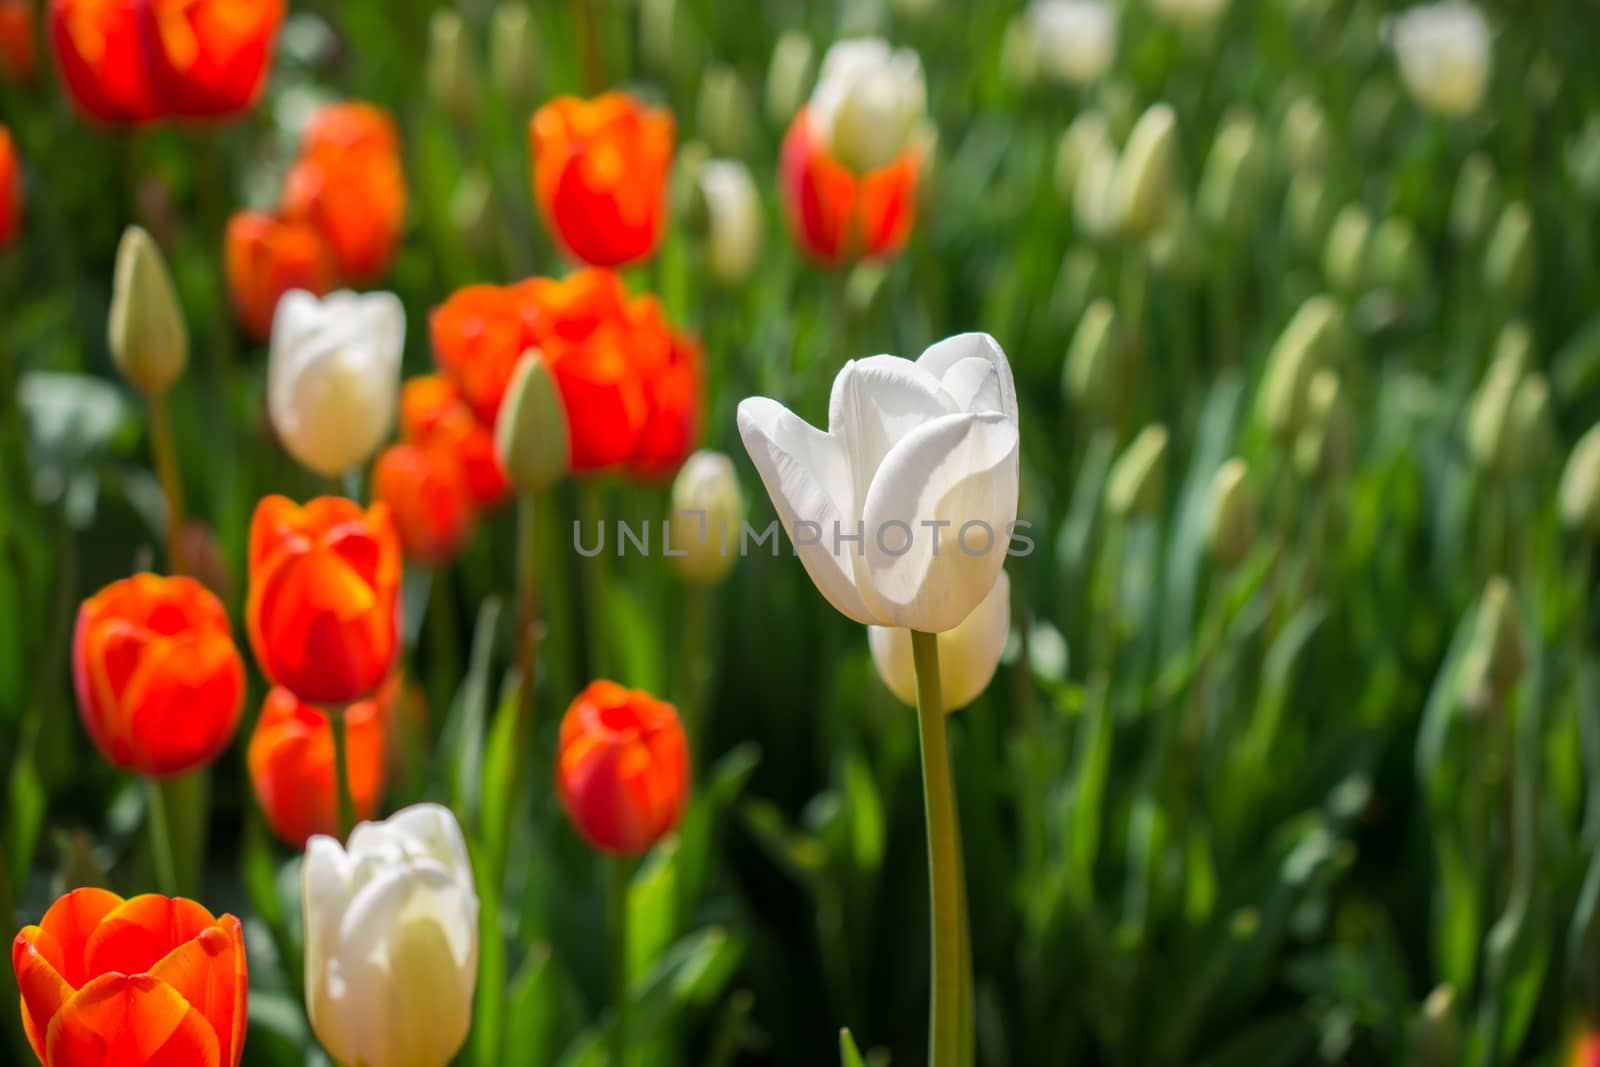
(333, 376)
(1444, 54)
(391, 934)
(968, 655)
(902, 511)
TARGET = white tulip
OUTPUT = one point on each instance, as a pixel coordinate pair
(1077, 39)
(333, 376)
(733, 212)
(869, 101)
(707, 517)
(902, 512)
(968, 655)
(391, 937)
(1444, 54)
(1190, 14)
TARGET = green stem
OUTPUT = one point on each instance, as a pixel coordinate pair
(159, 820)
(622, 878)
(594, 73)
(341, 770)
(592, 506)
(695, 665)
(165, 456)
(944, 863)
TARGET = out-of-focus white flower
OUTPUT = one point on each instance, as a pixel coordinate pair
(1190, 14)
(391, 934)
(333, 375)
(1144, 179)
(707, 518)
(733, 220)
(902, 512)
(1077, 39)
(869, 101)
(968, 654)
(1444, 50)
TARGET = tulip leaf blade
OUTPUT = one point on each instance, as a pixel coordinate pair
(849, 1055)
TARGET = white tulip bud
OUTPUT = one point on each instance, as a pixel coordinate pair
(1303, 137)
(1075, 40)
(1508, 260)
(1089, 373)
(1580, 486)
(1444, 55)
(869, 101)
(734, 226)
(1282, 399)
(1143, 184)
(968, 654)
(514, 54)
(1094, 196)
(788, 76)
(149, 340)
(1137, 478)
(333, 375)
(451, 67)
(724, 111)
(1229, 185)
(1349, 242)
(1234, 521)
(391, 940)
(707, 518)
(1476, 199)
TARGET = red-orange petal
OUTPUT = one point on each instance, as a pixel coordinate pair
(121, 1020)
(210, 973)
(138, 933)
(69, 924)
(43, 988)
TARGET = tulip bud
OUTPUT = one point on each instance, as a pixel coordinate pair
(1191, 15)
(1088, 135)
(1143, 182)
(1580, 486)
(1229, 185)
(1088, 376)
(1234, 523)
(1530, 431)
(724, 112)
(1076, 40)
(471, 209)
(1311, 337)
(1476, 199)
(531, 439)
(707, 513)
(1495, 658)
(1019, 53)
(1094, 198)
(450, 66)
(1439, 1030)
(391, 940)
(1508, 259)
(1345, 263)
(149, 341)
(1324, 443)
(1396, 257)
(968, 654)
(734, 226)
(1308, 208)
(1489, 414)
(1303, 138)
(659, 36)
(1444, 53)
(515, 61)
(871, 100)
(1134, 486)
(789, 76)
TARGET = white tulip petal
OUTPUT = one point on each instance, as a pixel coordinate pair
(968, 654)
(433, 830)
(807, 475)
(875, 403)
(943, 357)
(955, 470)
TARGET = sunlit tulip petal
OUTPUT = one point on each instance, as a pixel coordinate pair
(622, 769)
(968, 654)
(131, 1019)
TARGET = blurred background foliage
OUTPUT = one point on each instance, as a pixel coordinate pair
(1323, 793)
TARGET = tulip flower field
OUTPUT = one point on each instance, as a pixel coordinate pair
(671, 533)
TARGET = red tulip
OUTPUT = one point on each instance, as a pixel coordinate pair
(432, 414)
(622, 769)
(147, 982)
(600, 174)
(292, 770)
(324, 604)
(351, 126)
(837, 215)
(18, 60)
(428, 494)
(479, 336)
(10, 189)
(159, 680)
(265, 258)
(98, 48)
(348, 183)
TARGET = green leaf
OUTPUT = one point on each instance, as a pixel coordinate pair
(865, 809)
(542, 1010)
(463, 741)
(653, 907)
(849, 1055)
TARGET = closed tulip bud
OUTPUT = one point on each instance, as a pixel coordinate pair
(1143, 183)
(968, 654)
(1580, 486)
(1235, 519)
(515, 61)
(1324, 444)
(707, 518)
(451, 66)
(1308, 209)
(1495, 658)
(1508, 259)
(1345, 262)
(1530, 432)
(1088, 134)
(1312, 336)
(1397, 259)
(663, 43)
(1094, 197)
(622, 768)
(1439, 1030)
(333, 376)
(1076, 40)
(789, 76)
(1229, 185)
(391, 940)
(1090, 371)
(1303, 137)
(1476, 199)
(1489, 415)
(734, 225)
(149, 341)
(1444, 54)
(472, 209)
(1137, 479)
(530, 435)
(724, 112)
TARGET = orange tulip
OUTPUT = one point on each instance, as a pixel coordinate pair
(147, 982)
(18, 61)
(291, 763)
(324, 604)
(265, 258)
(622, 769)
(433, 415)
(427, 491)
(158, 677)
(138, 60)
(600, 174)
(349, 185)
(10, 189)
(837, 215)
(479, 336)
